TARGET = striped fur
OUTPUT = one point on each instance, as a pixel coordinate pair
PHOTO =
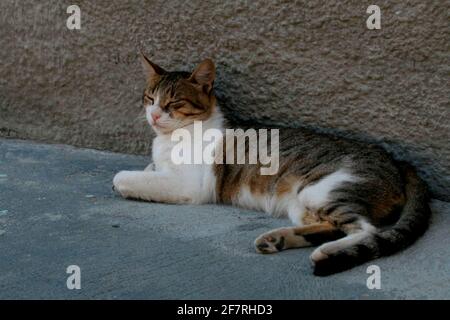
(412, 223)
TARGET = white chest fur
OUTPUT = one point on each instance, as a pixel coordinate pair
(197, 178)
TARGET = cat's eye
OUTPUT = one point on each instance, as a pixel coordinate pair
(176, 104)
(148, 100)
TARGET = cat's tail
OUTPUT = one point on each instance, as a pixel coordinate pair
(412, 223)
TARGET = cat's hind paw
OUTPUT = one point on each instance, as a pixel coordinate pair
(270, 242)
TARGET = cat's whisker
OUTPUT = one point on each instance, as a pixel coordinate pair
(140, 118)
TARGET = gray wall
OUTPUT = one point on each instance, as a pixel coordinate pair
(285, 62)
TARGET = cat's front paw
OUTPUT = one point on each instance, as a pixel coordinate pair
(122, 183)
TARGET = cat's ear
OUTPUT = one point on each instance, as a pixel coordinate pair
(204, 75)
(152, 70)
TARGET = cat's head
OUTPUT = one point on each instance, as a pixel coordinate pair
(174, 100)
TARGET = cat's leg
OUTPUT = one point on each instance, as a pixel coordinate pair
(155, 186)
(333, 256)
(150, 167)
(296, 237)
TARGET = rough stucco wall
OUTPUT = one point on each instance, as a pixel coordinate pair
(284, 62)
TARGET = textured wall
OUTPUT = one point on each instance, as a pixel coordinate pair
(284, 62)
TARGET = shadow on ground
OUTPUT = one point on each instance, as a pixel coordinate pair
(57, 209)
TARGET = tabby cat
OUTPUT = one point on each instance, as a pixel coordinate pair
(350, 199)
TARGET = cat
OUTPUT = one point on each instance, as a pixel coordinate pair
(350, 199)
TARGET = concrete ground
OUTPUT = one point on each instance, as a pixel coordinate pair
(57, 209)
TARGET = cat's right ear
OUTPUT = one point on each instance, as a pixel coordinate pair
(152, 71)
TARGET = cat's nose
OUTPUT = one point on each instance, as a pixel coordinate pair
(155, 117)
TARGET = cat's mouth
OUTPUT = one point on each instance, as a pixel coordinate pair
(166, 126)
(158, 125)
(161, 128)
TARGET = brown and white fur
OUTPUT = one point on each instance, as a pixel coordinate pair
(350, 199)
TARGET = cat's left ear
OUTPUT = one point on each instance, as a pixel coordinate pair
(152, 70)
(204, 75)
